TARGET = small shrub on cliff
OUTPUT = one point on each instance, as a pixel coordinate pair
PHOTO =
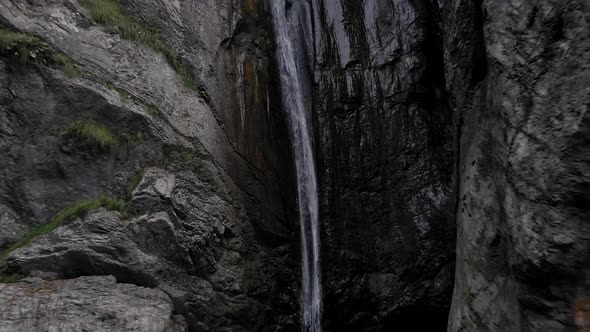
(92, 134)
(110, 14)
(77, 210)
(23, 46)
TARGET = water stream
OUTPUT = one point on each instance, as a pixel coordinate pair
(307, 194)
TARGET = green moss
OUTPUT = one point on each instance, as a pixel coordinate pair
(151, 109)
(110, 14)
(28, 48)
(23, 46)
(123, 94)
(135, 182)
(68, 66)
(133, 138)
(92, 134)
(10, 278)
(76, 210)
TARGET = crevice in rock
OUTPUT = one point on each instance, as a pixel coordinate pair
(479, 61)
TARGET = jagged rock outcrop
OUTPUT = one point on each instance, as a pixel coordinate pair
(193, 244)
(85, 304)
(517, 74)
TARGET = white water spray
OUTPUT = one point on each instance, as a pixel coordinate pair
(307, 194)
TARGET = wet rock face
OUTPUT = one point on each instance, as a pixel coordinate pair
(385, 161)
(429, 111)
(520, 90)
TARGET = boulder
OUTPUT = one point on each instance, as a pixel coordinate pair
(85, 304)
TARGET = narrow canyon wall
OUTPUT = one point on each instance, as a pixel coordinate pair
(517, 75)
(429, 113)
(385, 162)
(451, 141)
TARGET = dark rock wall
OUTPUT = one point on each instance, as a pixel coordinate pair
(517, 75)
(385, 162)
(429, 112)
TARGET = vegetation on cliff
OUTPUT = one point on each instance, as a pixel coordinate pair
(91, 134)
(110, 14)
(26, 48)
(23, 47)
(78, 209)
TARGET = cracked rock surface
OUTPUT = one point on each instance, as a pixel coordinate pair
(85, 304)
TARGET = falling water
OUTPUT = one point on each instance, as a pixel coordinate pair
(294, 104)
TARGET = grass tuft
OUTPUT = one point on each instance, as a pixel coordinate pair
(152, 110)
(28, 48)
(23, 46)
(68, 66)
(92, 134)
(10, 278)
(135, 182)
(110, 14)
(133, 138)
(77, 210)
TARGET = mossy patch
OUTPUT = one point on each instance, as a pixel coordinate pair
(23, 47)
(135, 182)
(123, 94)
(9, 277)
(134, 138)
(152, 110)
(92, 134)
(110, 14)
(69, 68)
(27, 48)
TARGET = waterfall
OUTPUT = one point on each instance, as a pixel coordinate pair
(307, 194)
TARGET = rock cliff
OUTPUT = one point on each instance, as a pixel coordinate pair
(517, 74)
(431, 114)
(147, 181)
(385, 162)
(140, 107)
(86, 304)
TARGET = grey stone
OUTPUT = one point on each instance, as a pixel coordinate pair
(195, 249)
(11, 230)
(85, 304)
(211, 225)
(517, 76)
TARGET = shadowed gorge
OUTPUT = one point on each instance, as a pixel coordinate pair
(294, 165)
